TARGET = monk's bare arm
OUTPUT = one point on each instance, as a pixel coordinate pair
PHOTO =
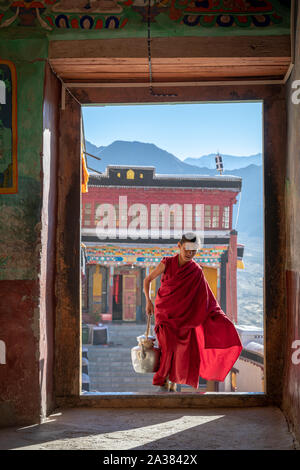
(147, 281)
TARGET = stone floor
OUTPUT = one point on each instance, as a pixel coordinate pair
(172, 429)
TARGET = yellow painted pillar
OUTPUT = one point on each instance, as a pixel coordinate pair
(97, 290)
(211, 275)
(97, 282)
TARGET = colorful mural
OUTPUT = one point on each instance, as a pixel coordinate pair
(147, 256)
(207, 17)
(8, 128)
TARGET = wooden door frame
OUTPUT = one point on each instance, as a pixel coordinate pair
(68, 315)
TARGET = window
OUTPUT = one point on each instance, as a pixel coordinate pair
(225, 220)
(207, 217)
(215, 217)
(172, 220)
(130, 175)
(87, 213)
(212, 217)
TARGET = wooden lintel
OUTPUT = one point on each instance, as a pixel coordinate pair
(173, 59)
(173, 47)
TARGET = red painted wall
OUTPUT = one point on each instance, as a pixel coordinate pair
(19, 377)
(150, 196)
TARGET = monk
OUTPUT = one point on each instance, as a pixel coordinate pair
(195, 337)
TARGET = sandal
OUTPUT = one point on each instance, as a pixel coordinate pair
(165, 386)
(172, 387)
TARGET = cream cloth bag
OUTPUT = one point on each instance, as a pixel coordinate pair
(145, 356)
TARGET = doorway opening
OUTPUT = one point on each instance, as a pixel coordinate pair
(118, 305)
(156, 171)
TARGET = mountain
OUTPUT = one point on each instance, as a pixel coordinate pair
(137, 153)
(93, 149)
(250, 212)
(230, 162)
(250, 217)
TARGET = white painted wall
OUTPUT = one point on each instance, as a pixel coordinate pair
(249, 377)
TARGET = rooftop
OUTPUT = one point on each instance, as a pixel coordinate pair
(144, 176)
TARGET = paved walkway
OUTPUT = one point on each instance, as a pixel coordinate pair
(110, 367)
(172, 429)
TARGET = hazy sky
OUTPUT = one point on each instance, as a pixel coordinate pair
(185, 130)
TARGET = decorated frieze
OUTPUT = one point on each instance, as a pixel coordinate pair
(179, 17)
(147, 256)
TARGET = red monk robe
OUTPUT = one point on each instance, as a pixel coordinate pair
(195, 336)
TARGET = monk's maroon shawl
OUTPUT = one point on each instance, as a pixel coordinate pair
(195, 336)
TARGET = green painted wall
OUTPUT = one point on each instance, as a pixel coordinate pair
(83, 19)
(20, 213)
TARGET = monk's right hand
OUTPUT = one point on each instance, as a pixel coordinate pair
(149, 307)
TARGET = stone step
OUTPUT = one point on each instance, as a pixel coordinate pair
(102, 365)
(112, 372)
(112, 369)
(121, 376)
(118, 381)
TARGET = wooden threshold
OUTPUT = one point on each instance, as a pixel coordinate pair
(167, 400)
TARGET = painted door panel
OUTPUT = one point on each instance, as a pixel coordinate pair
(129, 297)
